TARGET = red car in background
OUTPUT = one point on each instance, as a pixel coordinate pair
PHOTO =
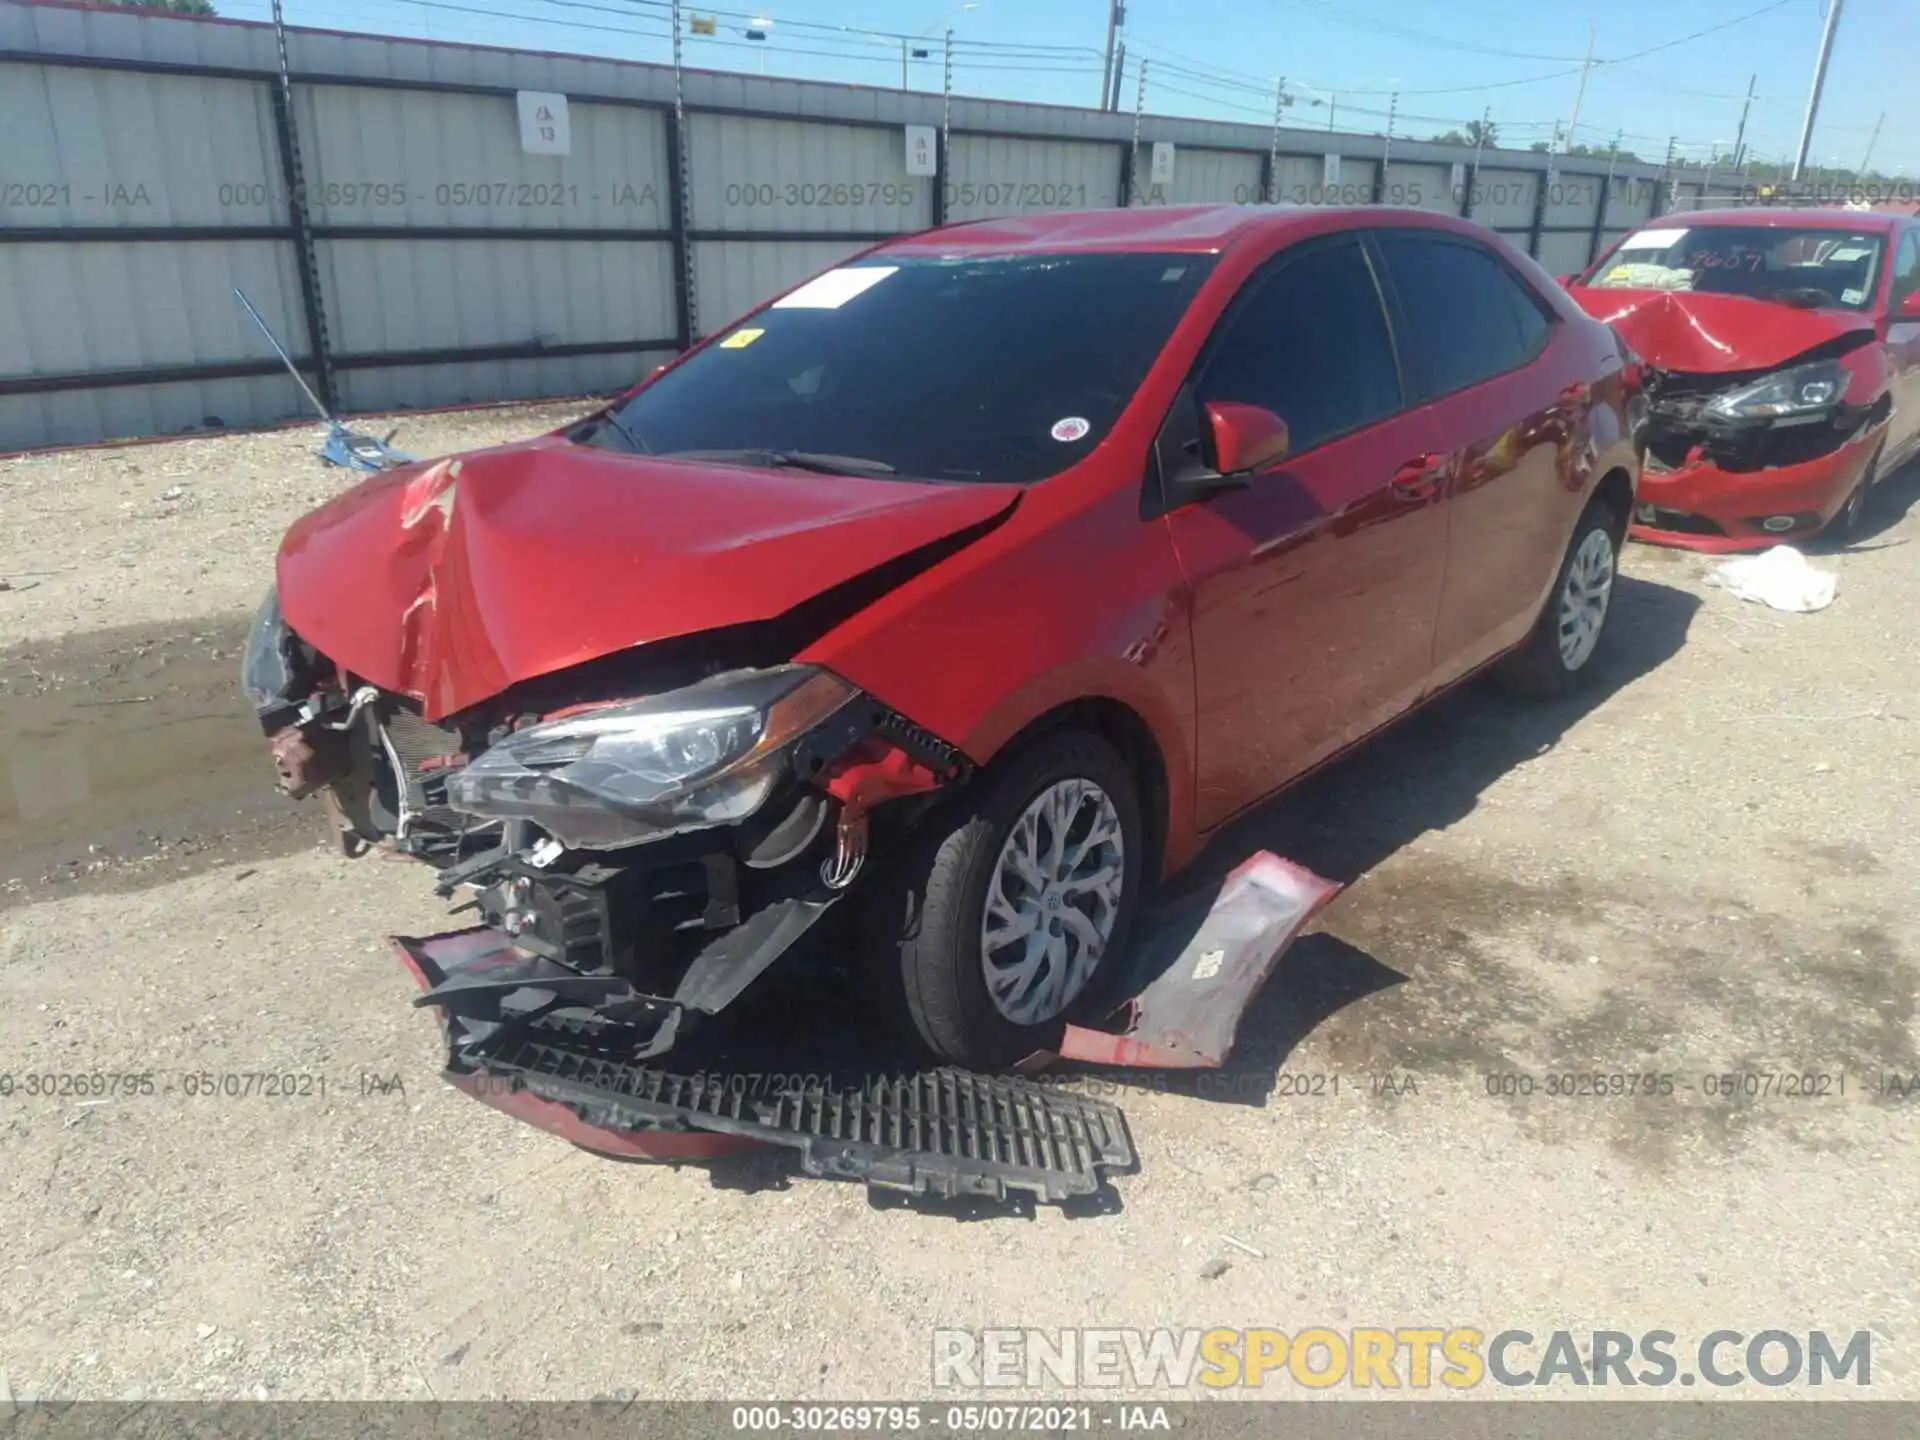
(1782, 354)
(977, 580)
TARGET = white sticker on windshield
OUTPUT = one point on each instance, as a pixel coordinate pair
(1655, 240)
(1850, 252)
(835, 288)
(1852, 297)
(1070, 429)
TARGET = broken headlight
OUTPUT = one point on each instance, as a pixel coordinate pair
(620, 774)
(1793, 397)
(269, 668)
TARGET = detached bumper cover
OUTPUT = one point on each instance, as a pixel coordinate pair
(516, 1042)
(1199, 968)
(1722, 510)
(565, 1052)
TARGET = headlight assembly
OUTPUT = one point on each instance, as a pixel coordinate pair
(269, 668)
(616, 775)
(1798, 396)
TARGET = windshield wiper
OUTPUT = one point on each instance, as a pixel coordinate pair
(613, 422)
(813, 460)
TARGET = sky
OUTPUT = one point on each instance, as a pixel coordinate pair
(1520, 60)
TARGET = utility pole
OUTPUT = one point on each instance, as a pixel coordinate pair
(1119, 74)
(1116, 13)
(1580, 90)
(1819, 83)
(1333, 103)
(1740, 135)
(1872, 141)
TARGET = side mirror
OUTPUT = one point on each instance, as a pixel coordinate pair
(1245, 437)
(1909, 307)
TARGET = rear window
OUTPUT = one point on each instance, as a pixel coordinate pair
(990, 369)
(1809, 267)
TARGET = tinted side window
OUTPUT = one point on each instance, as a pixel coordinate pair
(1906, 267)
(1467, 318)
(1310, 343)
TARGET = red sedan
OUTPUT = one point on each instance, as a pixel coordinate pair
(977, 580)
(1783, 355)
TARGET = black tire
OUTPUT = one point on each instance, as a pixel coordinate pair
(1540, 668)
(924, 917)
(1849, 522)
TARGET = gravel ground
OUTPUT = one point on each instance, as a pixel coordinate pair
(1693, 868)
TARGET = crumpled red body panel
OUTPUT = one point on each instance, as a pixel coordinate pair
(1714, 334)
(453, 579)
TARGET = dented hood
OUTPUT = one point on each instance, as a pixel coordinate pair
(452, 580)
(1714, 334)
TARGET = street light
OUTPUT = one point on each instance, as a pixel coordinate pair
(907, 48)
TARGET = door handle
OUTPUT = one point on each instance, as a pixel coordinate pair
(1418, 478)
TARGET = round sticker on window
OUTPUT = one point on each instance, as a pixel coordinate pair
(1070, 429)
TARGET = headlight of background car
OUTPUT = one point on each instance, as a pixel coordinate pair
(1798, 396)
(621, 774)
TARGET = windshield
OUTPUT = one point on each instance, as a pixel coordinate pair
(995, 369)
(1762, 262)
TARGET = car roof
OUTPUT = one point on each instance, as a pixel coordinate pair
(1145, 228)
(1780, 216)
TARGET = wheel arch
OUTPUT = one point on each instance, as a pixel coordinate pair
(1127, 731)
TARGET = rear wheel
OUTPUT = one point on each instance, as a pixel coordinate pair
(1564, 642)
(1005, 914)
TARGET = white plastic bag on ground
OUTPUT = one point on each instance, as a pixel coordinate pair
(1781, 578)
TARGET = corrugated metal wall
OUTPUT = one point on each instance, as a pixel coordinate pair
(433, 261)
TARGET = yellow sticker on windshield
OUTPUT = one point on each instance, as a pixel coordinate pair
(740, 339)
(1619, 272)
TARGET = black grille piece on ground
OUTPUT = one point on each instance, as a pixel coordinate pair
(944, 1133)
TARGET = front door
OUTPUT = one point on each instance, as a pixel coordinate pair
(1314, 589)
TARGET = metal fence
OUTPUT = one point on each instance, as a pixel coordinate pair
(383, 205)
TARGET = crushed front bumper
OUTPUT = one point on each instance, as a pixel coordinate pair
(1700, 506)
(566, 1052)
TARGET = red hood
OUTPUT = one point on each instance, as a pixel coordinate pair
(1713, 334)
(451, 580)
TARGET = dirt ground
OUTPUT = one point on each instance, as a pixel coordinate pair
(1702, 865)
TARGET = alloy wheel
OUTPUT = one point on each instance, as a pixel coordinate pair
(1585, 597)
(1052, 900)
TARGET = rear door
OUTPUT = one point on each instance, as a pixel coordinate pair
(1313, 589)
(1510, 408)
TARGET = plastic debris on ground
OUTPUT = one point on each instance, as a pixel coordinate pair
(1781, 578)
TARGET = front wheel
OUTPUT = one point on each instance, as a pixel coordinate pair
(1007, 912)
(1561, 649)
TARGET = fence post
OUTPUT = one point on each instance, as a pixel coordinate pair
(1539, 220)
(686, 296)
(1133, 150)
(1270, 169)
(1473, 170)
(306, 264)
(1599, 236)
(1386, 150)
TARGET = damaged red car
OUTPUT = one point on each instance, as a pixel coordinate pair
(1782, 349)
(963, 590)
